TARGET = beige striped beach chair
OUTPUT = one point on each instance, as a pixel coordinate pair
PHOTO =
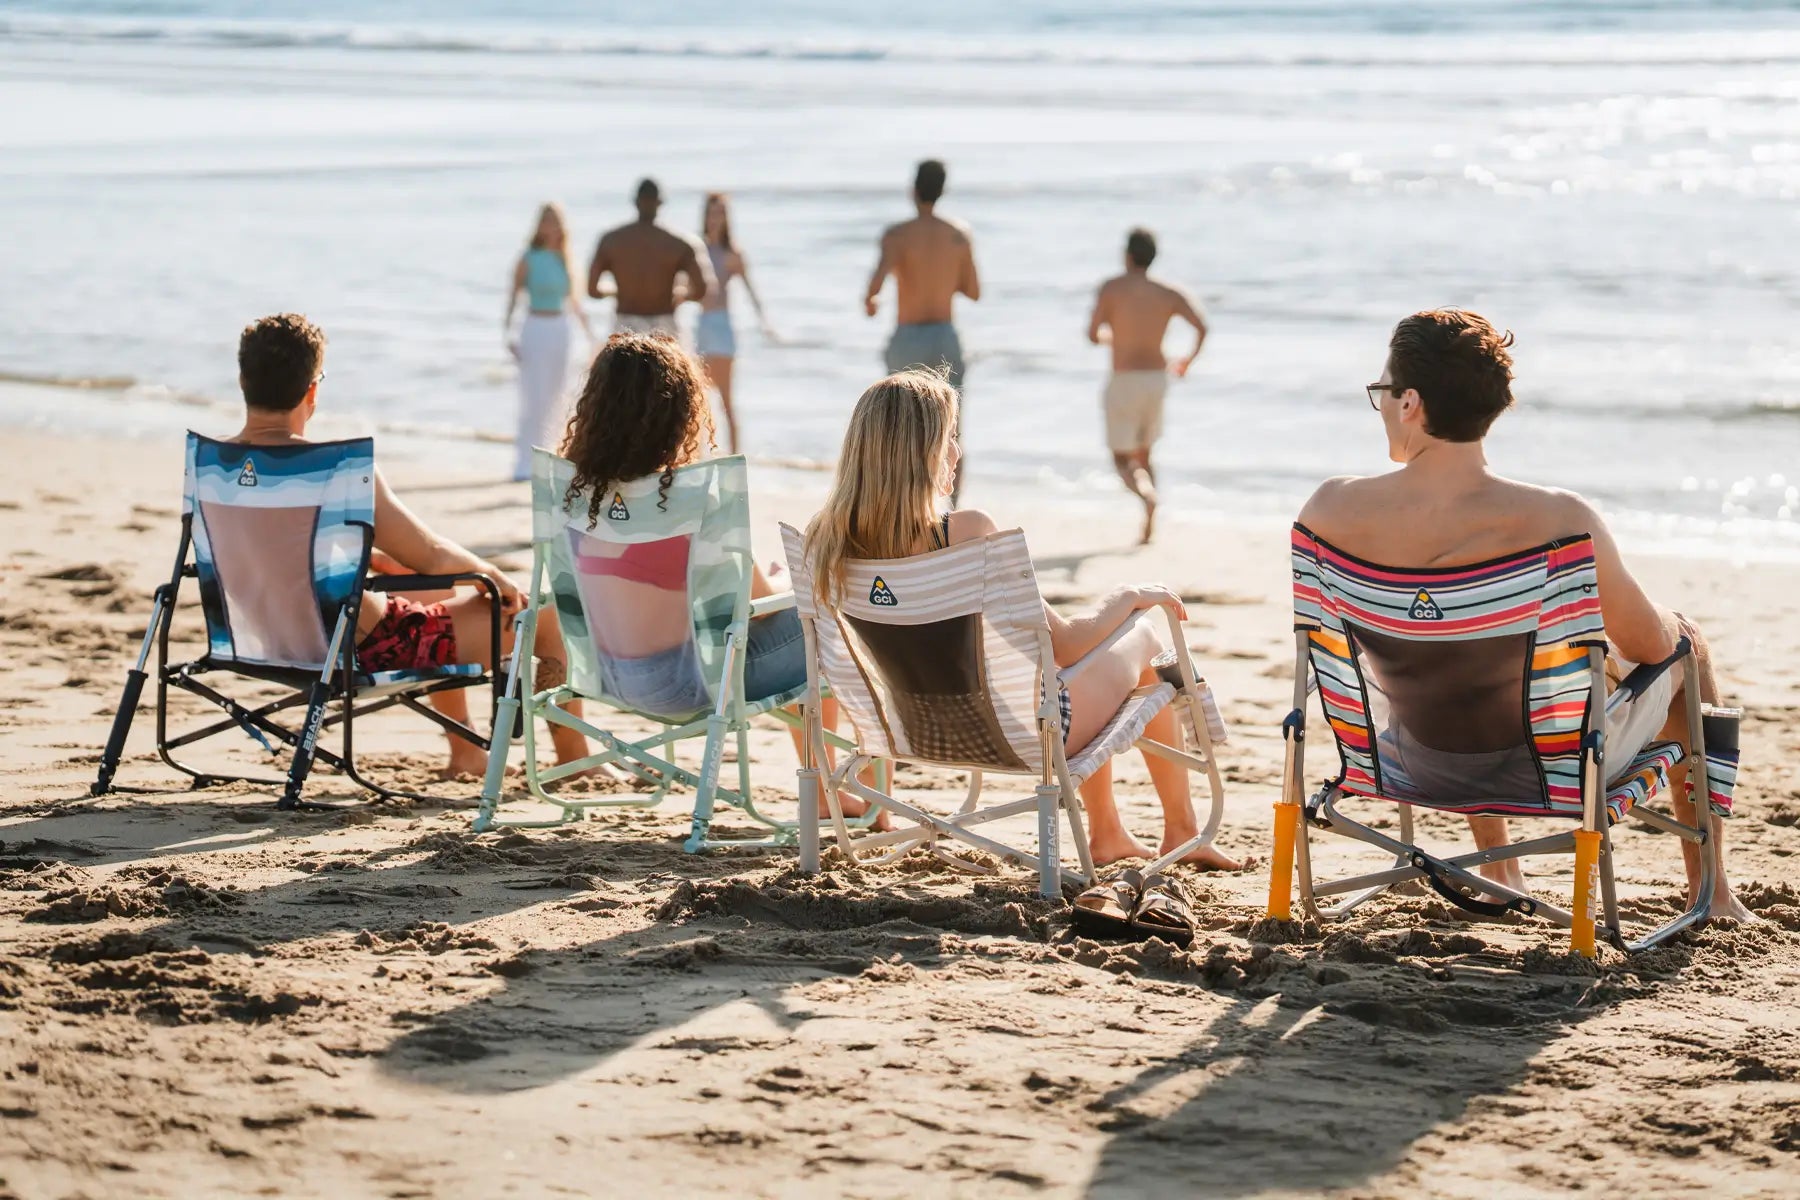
(944, 659)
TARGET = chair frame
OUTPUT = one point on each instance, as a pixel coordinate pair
(650, 759)
(1455, 877)
(334, 684)
(1055, 795)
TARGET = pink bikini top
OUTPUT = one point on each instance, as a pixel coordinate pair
(662, 564)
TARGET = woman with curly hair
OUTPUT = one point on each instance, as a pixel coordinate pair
(642, 414)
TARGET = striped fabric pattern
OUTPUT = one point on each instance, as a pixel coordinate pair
(708, 502)
(329, 485)
(991, 576)
(1644, 777)
(1721, 779)
(1549, 594)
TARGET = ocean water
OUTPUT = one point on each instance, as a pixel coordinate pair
(1618, 183)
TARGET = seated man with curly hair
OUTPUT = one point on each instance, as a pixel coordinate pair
(1448, 377)
(280, 365)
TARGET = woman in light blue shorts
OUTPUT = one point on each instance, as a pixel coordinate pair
(715, 340)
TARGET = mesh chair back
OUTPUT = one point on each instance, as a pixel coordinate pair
(281, 537)
(1488, 665)
(935, 658)
(654, 562)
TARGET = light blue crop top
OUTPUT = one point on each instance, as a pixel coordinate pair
(546, 280)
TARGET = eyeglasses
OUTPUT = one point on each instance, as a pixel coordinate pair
(1374, 388)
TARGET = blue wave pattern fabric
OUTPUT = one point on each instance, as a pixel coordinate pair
(278, 535)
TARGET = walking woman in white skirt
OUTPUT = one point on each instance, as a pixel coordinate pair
(542, 345)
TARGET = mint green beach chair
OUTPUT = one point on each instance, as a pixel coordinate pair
(651, 549)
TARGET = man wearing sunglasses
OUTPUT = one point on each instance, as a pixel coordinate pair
(1448, 376)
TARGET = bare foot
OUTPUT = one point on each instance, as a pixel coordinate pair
(1730, 908)
(1208, 857)
(856, 806)
(1111, 849)
(1149, 522)
(466, 762)
(603, 771)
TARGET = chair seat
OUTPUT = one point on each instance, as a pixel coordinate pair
(1642, 778)
(1123, 731)
(367, 683)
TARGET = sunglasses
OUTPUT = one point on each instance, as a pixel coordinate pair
(1374, 391)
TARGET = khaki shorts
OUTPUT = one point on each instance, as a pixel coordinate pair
(1134, 409)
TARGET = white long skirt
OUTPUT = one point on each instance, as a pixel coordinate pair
(543, 379)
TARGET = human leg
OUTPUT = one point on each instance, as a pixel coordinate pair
(543, 372)
(718, 369)
(470, 614)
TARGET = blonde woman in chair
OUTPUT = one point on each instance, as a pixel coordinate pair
(895, 476)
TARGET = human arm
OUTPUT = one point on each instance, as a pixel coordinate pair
(1640, 629)
(1187, 310)
(512, 303)
(573, 303)
(884, 266)
(743, 272)
(969, 280)
(601, 264)
(697, 268)
(403, 539)
(1099, 331)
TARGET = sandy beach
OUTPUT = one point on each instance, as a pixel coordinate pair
(202, 997)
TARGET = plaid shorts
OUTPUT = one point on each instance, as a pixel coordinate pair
(409, 637)
(1067, 707)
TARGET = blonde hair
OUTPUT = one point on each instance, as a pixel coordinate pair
(552, 209)
(884, 501)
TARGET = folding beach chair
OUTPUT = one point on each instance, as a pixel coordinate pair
(280, 539)
(944, 659)
(702, 525)
(1519, 646)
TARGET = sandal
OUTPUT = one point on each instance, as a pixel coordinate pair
(1164, 910)
(1105, 909)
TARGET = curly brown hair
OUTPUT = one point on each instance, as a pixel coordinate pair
(643, 411)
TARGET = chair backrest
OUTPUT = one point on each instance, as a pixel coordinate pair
(1485, 659)
(935, 658)
(647, 552)
(281, 541)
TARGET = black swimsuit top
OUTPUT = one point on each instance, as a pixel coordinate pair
(940, 537)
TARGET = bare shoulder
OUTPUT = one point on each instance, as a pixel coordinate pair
(969, 523)
(1336, 502)
(1561, 513)
(959, 228)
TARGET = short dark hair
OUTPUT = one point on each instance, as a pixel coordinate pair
(1458, 364)
(647, 189)
(278, 360)
(1140, 246)
(928, 183)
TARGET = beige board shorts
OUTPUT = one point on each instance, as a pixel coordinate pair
(663, 323)
(1133, 401)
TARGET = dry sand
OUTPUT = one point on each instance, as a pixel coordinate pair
(202, 997)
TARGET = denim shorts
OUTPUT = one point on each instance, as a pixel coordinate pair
(671, 684)
(714, 337)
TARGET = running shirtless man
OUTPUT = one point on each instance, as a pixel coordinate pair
(646, 260)
(1133, 312)
(932, 259)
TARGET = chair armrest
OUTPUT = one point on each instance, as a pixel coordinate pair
(764, 605)
(432, 583)
(1642, 676)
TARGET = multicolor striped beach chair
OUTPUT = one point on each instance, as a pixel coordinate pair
(647, 556)
(280, 539)
(1508, 659)
(944, 659)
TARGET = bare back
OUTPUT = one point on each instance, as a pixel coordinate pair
(932, 259)
(1138, 310)
(645, 261)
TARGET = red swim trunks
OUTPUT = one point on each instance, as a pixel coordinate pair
(409, 637)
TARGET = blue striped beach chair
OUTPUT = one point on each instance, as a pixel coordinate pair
(1512, 654)
(944, 659)
(697, 528)
(278, 540)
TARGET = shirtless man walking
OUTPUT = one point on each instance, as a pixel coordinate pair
(645, 261)
(1133, 312)
(1448, 377)
(931, 258)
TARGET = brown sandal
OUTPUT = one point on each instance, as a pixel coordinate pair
(1164, 910)
(1105, 909)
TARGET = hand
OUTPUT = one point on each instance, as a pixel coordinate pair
(1155, 595)
(512, 348)
(769, 334)
(872, 305)
(1178, 367)
(512, 600)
